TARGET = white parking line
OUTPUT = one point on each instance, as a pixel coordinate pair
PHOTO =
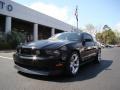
(6, 57)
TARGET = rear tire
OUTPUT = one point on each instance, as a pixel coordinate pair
(73, 64)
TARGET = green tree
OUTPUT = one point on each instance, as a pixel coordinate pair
(107, 36)
(99, 37)
(11, 40)
(118, 36)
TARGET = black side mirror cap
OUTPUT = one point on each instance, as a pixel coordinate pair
(83, 42)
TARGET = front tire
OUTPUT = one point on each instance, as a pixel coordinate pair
(73, 64)
(98, 57)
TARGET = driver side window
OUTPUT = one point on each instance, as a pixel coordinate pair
(88, 40)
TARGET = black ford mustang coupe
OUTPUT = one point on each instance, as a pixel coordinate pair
(62, 53)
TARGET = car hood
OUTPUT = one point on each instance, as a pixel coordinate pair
(47, 44)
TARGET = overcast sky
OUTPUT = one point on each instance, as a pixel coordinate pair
(96, 12)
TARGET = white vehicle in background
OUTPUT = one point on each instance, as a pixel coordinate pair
(100, 44)
(109, 46)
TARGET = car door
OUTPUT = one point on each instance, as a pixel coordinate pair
(88, 46)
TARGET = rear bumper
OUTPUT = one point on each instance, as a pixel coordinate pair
(38, 67)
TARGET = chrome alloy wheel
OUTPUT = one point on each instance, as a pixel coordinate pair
(74, 63)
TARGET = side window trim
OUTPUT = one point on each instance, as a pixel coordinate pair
(91, 38)
(88, 35)
(82, 37)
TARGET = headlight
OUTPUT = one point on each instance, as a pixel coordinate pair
(63, 48)
(53, 52)
(64, 52)
(49, 52)
(56, 52)
(64, 57)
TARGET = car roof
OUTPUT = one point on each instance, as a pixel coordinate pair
(78, 32)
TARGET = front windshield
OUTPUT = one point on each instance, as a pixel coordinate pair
(66, 36)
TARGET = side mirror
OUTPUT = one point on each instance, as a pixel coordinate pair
(83, 42)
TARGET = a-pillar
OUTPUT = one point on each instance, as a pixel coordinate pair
(8, 23)
(35, 32)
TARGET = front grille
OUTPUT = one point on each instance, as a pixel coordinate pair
(27, 51)
(30, 51)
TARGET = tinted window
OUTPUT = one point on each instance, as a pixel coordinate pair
(89, 40)
(88, 37)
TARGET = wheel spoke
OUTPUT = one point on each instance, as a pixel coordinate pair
(76, 58)
(73, 69)
(71, 65)
(74, 64)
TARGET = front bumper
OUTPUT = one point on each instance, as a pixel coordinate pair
(37, 72)
(38, 66)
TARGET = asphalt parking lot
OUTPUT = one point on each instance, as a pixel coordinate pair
(104, 76)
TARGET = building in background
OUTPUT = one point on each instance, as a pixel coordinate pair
(33, 24)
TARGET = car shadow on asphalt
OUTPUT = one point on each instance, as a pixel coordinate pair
(7, 51)
(88, 71)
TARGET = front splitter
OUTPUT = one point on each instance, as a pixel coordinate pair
(37, 72)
